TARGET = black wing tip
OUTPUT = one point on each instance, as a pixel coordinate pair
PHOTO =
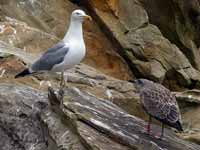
(23, 73)
(178, 126)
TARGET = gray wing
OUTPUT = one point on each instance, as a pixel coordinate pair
(56, 47)
(160, 103)
(51, 57)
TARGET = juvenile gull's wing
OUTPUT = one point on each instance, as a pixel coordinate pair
(160, 103)
(51, 57)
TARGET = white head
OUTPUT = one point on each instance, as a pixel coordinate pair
(79, 15)
(75, 27)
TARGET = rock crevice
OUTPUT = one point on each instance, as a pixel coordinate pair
(85, 122)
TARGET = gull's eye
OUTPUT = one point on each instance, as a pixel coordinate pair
(77, 13)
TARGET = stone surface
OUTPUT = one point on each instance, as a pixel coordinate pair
(143, 46)
(192, 96)
(44, 15)
(30, 120)
(34, 26)
(20, 126)
(90, 80)
(189, 102)
(179, 22)
(194, 138)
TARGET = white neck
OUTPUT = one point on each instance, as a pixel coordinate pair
(74, 31)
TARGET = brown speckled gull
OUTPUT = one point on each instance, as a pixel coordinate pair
(159, 103)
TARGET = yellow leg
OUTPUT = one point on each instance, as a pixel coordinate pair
(61, 90)
(62, 82)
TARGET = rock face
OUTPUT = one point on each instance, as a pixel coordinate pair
(128, 24)
(21, 126)
(189, 102)
(141, 43)
(123, 94)
(86, 122)
(128, 30)
(44, 15)
(179, 21)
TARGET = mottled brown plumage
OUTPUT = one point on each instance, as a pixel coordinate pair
(159, 103)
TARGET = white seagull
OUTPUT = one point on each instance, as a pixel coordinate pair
(65, 54)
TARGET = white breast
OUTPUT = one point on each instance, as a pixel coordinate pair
(74, 56)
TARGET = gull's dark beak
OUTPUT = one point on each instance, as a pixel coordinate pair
(87, 17)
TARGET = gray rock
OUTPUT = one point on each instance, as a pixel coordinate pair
(28, 120)
(35, 25)
(191, 96)
(21, 126)
(149, 54)
(113, 122)
(179, 22)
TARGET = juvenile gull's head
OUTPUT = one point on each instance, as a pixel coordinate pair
(141, 83)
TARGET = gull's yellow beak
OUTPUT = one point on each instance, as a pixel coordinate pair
(87, 17)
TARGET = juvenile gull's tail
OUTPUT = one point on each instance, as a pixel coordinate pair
(178, 126)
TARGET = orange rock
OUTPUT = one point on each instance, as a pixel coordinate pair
(114, 6)
(100, 52)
